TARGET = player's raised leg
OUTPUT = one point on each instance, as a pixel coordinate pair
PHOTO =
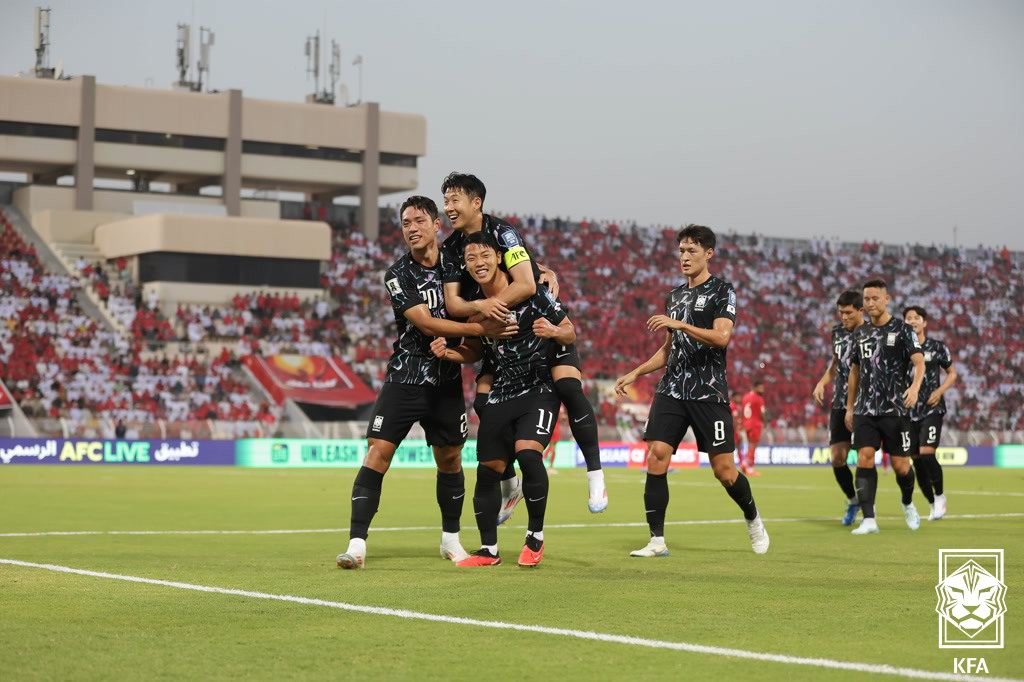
(582, 422)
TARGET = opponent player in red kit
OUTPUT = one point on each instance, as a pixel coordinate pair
(753, 423)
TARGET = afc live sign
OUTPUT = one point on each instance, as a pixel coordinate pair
(74, 451)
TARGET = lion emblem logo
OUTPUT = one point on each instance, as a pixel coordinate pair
(971, 598)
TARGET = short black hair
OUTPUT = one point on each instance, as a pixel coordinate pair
(851, 297)
(421, 202)
(470, 184)
(698, 234)
(484, 240)
(916, 309)
(876, 283)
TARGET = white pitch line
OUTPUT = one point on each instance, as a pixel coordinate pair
(874, 668)
(549, 526)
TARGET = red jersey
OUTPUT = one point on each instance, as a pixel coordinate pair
(753, 410)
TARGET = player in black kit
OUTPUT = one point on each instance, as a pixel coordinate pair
(927, 415)
(878, 397)
(522, 404)
(464, 196)
(694, 391)
(851, 316)
(418, 386)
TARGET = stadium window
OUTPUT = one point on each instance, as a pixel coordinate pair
(38, 130)
(299, 151)
(403, 160)
(151, 139)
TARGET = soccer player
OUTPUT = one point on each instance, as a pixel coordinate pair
(464, 196)
(753, 424)
(693, 392)
(850, 306)
(927, 415)
(877, 401)
(418, 386)
(521, 407)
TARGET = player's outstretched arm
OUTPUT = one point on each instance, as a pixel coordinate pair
(824, 381)
(469, 352)
(947, 383)
(851, 393)
(563, 333)
(656, 362)
(522, 286)
(435, 326)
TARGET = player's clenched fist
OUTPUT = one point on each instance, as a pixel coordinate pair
(439, 347)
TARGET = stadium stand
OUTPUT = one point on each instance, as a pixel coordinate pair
(613, 277)
(63, 366)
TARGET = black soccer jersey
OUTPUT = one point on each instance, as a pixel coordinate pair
(842, 347)
(410, 284)
(883, 357)
(513, 252)
(936, 355)
(521, 363)
(696, 371)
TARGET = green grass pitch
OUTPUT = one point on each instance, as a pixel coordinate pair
(819, 592)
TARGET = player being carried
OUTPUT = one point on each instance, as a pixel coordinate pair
(418, 386)
(693, 392)
(927, 415)
(850, 306)
(464, 196)
(877, 400)
(522, 405)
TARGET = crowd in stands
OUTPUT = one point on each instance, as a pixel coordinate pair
(613, 277)
(59, 363)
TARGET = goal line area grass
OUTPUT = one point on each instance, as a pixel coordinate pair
(819, 593)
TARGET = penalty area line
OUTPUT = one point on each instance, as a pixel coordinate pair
(396, 529)
(688, 647)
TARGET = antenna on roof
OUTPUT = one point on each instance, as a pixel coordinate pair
(41, 45)
(326, 95)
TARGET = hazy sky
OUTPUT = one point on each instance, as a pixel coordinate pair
(868, 119)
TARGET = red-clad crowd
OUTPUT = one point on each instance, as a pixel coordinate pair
(613, 277)
(59, 363)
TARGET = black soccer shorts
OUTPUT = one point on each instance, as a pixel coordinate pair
(670, 419)
(528, 417)
(486, 368)
(889, 433)
(564, 355)
(441, 410)
(927, 432)
(838, 433)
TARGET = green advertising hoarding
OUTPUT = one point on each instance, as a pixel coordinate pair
(1009, 456)
(349, 453)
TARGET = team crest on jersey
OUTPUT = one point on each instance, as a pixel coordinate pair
(928, 356)
(510, 240)
(890, 339)
(702, 301)
(393, 286)
(731, 307)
